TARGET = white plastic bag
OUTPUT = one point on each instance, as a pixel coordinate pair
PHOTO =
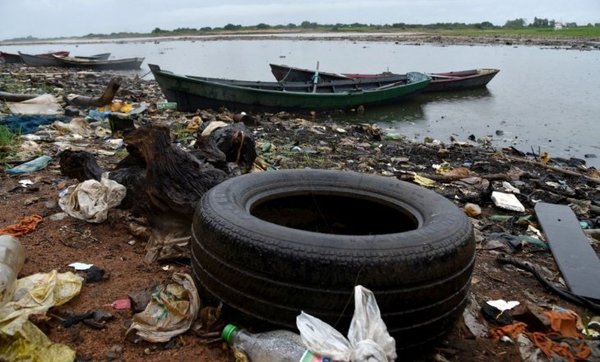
(368, 338)
(90, 200)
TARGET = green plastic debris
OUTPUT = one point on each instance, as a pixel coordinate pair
(166, 105)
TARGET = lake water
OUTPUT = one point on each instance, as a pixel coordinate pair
(542, 99)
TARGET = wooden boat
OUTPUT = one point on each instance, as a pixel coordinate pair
(10, 58)
(16, 58)
(448, 81)
(101, 56)
(192, 92)
(115, 64)
(50, 60)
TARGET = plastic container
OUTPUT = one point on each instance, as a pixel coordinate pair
(272, 346)
(12, 257)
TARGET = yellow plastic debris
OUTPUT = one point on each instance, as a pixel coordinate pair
(424, 181)
(21, 340)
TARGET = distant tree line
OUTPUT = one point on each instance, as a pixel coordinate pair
(313, 26)
(540, 23)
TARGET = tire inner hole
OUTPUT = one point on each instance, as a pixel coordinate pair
(335, 214)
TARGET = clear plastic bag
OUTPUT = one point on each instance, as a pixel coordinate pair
(368, 338)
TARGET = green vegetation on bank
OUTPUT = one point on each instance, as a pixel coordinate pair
(9, 141)
(539, 27)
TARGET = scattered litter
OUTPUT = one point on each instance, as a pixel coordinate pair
(507, 201)
(31, 166)
(171, 311)
(91, 200)
(510, 188)
(472, 210)
(368, 338)
(45, 104)
(24, 226)
(503, 305)
(120, 304)
(423, 181)
(166, 105)
(498, 311)
(80, 266)
(25, 183)
(34, 295)
(578, 262)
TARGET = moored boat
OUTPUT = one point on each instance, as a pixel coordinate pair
(115, 64)
(51, 60)
(16, 58)
(193, 92)
(101, 56)
(446, 81)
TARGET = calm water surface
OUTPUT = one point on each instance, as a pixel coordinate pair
(545, 99)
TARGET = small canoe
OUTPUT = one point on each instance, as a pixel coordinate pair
(448, 81)
(192, 92)
(115, 64)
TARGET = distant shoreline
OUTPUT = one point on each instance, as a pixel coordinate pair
(584, 43)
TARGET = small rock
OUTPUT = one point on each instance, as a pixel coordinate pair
(58, 216)
(472, 210)
(50, 204)
(71, 111)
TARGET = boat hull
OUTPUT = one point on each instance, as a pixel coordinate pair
(116, 64)
(440, 82)
(192, 93)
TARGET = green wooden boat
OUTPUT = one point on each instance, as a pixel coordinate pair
(192, 92)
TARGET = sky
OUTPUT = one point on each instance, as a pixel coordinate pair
(60, 18)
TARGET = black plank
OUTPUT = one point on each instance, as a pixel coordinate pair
(574, 255)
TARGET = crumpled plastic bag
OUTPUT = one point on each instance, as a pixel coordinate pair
(20, 339)
(368, 338)
(171, 311)
(90, 200)
(45, 104)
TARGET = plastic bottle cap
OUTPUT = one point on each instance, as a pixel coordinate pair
(228, 332)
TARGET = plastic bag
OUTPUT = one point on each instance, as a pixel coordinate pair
(45, 104)
(368, 338)
(20, 339)
(171, 311)
(90, 200)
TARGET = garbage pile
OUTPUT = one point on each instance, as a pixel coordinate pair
(75, 185)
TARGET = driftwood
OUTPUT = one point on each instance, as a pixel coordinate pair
(164, 183)
(556, 169)
(105, 99)
(16, 97)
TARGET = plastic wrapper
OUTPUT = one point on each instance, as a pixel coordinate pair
(368, 338)
(21, 340)
(171, 311)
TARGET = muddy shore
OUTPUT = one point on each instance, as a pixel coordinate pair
(463, 171)
(408, 37)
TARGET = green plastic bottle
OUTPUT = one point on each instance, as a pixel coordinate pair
(272, 346)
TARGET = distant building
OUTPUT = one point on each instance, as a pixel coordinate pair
(558, 26)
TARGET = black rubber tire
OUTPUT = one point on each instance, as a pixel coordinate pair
(269, 273)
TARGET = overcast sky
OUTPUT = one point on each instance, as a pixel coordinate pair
(56, 18)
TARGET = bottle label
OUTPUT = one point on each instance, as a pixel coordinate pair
(308, 356)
